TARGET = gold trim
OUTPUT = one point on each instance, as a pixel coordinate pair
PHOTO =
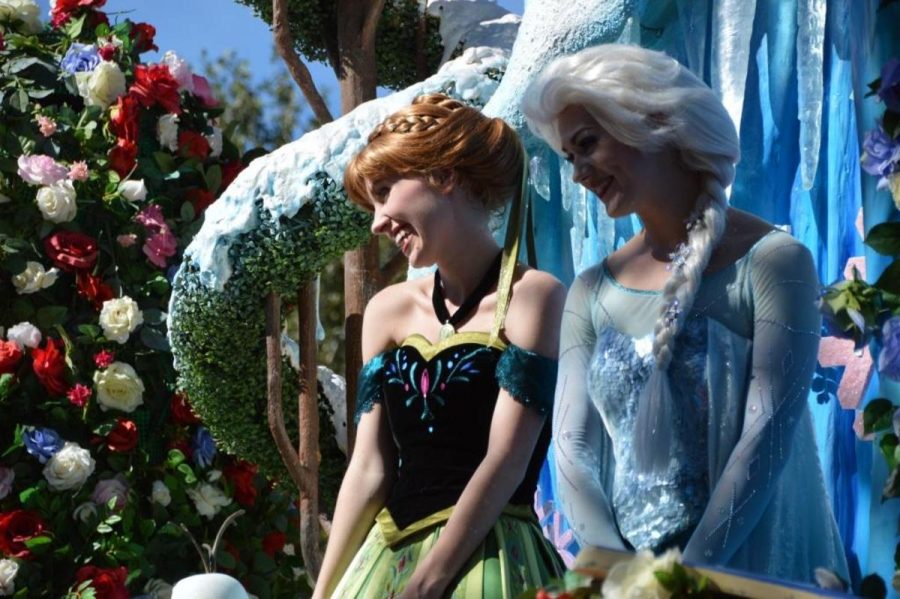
(429, 350)
(393, 535)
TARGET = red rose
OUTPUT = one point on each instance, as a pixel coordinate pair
(123, 436)
(108, 583)
(123, 157)
(241, 475)
(273, 543)
(200, 199)
(142, 34)
(181, 410)
(193, 145)
(104, 358)
(154, 84)
(93, 289)
(71, 251)
(123, 117)
(10, 356)
(64, 9)
(16, 527)
(230, 170)
(107, 52)
(79, 395)
(49, 365)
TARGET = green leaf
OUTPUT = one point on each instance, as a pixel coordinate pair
(91, 331)
(225, 560)
(666, 579)
(74, 27)
(50, 316)
(878, 415)
(187, 212)
(19, 100)
(154, 316)
(888, 444)
(38, 542)
(884, 238)
(174, 458)
(7, 384)
(165, 161)
(20, 64)
(104, 529)
(154, 339)
(26, 495)
(263, 564)
(188, 473)
(890, 278)
(213, 178)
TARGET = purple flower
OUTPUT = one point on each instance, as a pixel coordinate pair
(42, 443)
(880, 153)
(80, 58)
(39, 169)
(889, 92)
(111, 488)
(889, 360)
(204, 447)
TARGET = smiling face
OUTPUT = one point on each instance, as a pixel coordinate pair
(619, 174)
(414, 215)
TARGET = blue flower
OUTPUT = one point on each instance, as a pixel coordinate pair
(880, 153)
(42, 443)
(889, 358)
(80, 58)
(204, 447)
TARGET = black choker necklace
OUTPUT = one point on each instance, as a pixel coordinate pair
(440, 308)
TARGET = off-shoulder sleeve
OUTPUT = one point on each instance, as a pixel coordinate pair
(529, 378)
(583, 449)
(370, 388)
(786, 325)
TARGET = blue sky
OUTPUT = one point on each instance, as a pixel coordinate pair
(189, 26)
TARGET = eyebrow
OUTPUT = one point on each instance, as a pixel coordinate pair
(577, 133)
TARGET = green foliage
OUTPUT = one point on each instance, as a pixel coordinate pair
(313, 25)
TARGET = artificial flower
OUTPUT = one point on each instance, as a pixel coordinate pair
(49, 366)
(107, 51)
(133, 190)
(79, 171)
(10, 356)
(157, 588)
(71, 251)
(200, 199)
(7, 476)
(880, 152)
(123, 437)
(160, 246)
(69, 467)
(79, 395)
(230, 170)
(42, 443)
(889, 358)
(193, 145)
(215, 142)
(119, 317)
(152, 219)
(93, 289)
(123, 157)
(180, 71)
(635, 577)
(101, 86)
(34, 278)
(8, 571)
(273, 542)
(38, 169)
(80, 58)
(111, 489)
(153, 84)
(208, 499)
(181, 411)
(142, 35)
(16, 527)
(203, 91)
(104, 358)
(46, 125)
(160, 493)
(26, 12)
(108, 583)
(123, 118)
(204, 447)
(57, 202)
(119, 387)
(63, 10)
(889, 90)
(24, 335)
(167, 131)
(85, 512)
(241, 476)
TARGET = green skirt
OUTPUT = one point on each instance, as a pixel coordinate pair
(513, 557)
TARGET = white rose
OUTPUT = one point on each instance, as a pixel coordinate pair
(111, 490)
(133, 191)
(157, 588)
(167, 131)
(101, 86)
(636, 578)
(160, 493)
(26, 11)
(7, 476)
(69, 467)
(208, 499)
(180, 71)
(119, 387)
(289, 549)
(119, 317)
(57, 202)
(85, 512)
(8, 571)
(34, 278)
(24, 335)
(215, 142)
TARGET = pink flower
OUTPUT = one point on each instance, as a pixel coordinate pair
(160, 246)
(104, 358)
(41, 170)
(79, 395)
(46, 125)
(79, 171)
(204, 92)
(127, 240)
(152, 218)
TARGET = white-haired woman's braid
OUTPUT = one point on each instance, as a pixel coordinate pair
(705, 228)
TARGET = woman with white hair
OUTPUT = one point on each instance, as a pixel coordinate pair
(686, 355)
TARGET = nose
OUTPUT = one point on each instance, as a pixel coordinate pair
(580, 171)
(380, 222)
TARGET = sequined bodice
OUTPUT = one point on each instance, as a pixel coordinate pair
(654, 511)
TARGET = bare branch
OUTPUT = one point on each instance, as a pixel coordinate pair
(284, 43)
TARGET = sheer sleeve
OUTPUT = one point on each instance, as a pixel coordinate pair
(370, 388)
(583, 448)
(786, 322)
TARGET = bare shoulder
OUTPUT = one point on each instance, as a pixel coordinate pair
(535, 311)
(384, 314)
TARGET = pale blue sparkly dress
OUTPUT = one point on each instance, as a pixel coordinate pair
(743, 487)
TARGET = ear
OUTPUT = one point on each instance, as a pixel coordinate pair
(444, 180)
